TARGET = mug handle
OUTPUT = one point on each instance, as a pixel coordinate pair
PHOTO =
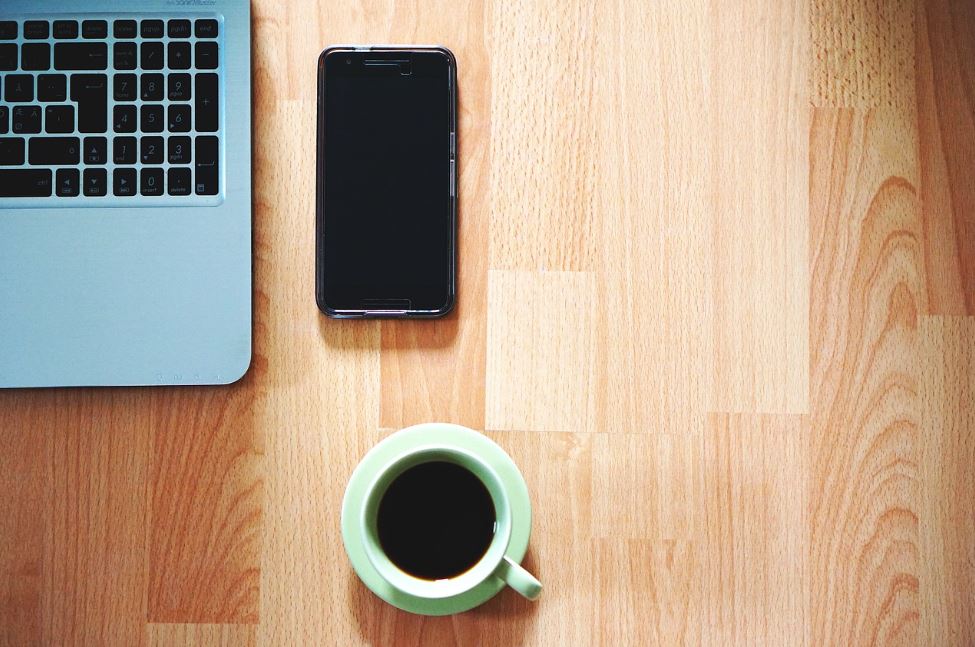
(518, 578)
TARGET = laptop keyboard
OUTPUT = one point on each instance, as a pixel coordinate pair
(110, 110)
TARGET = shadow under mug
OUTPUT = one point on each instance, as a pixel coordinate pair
(494, 562)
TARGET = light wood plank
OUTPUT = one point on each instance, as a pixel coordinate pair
(540, 323)
(655, 203)
(946, 123)
(947, 516)
(760, 207)
(867, 290)
(755, 578)
(202, 635)
(543, 171)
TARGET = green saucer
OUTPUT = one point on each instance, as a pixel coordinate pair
(435, 434)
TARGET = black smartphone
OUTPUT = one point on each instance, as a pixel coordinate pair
(386, 181)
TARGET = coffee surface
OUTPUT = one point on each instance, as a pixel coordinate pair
(436, 520)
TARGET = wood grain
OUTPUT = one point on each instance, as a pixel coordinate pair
(947, 511)
(717, 267)
(867, 293)
(946, 125)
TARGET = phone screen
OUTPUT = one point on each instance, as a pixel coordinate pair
(386, 222)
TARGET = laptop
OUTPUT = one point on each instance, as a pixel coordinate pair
(125, 192)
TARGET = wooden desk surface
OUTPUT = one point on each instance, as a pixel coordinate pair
(717, 287)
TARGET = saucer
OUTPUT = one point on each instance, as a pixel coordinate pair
(435, 434)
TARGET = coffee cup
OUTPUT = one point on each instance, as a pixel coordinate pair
(436, 520)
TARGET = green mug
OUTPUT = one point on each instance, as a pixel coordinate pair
(498, 566)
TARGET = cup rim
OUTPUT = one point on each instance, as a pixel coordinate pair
(477, 573)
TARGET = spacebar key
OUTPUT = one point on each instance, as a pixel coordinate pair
(25, 183)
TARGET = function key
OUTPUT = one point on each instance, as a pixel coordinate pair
(152, 29)
(35, 29)
(94, 29)
(179, 28)
(65, 29)
(206, 28)
(124, 28)
(124, 56)
(8, 29)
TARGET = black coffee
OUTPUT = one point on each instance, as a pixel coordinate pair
(436, 520)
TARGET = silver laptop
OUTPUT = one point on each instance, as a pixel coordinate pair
(125, 192)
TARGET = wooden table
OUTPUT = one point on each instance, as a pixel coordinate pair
(717, 288)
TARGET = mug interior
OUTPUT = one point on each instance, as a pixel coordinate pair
(481, 569)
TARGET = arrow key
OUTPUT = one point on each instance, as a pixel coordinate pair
(124, 181)
(67, 182)
(95, 181)
(95, 150)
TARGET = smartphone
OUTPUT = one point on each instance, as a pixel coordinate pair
(386, 181)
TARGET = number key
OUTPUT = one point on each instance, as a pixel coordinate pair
(152, 119)
(125, 87)
(179, 87)
(152, 150)
(152, 87)
(152, 181)
(123, 150)
(124, 119)
(179, 150)
(179, 119)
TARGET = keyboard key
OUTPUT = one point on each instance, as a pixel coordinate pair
(125, 87)
(124, 28)
(152, 150)
(27, 120)
(179, 150)
(179, 28)
(25, 183)
(67, 182)
(179, 119)
(179, 56)
(206, 56)
(19, 87)
(124, 56)
(91, 93)
(52, 87)
(206, 28)
(207, 108)
(4, 120)
(152, 29)
(36, 29)
(8, 57)
(179, 181)
(95, 182)
(35, 56)
(124, 181)
(80, 56)
(151, 119)
(152, 56)
(207, 165)
(64, 29)
(96, 149)
(152, 87)
(11, 151)
(179, 87)
(8, 29)
(59, 119)
(94, 29)
(152, 181)
(123, 119)
(58, 151)
(123, 150)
